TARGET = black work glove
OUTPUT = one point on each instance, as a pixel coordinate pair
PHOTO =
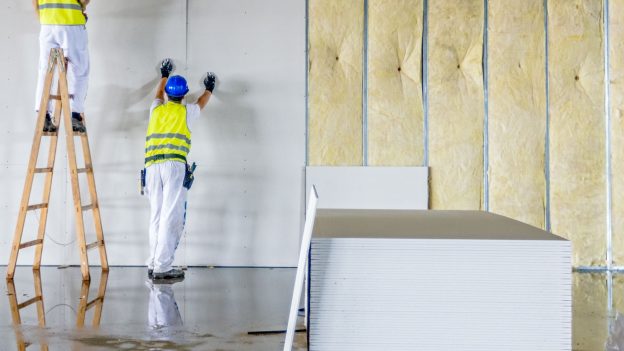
(166, 67)
(209, 81)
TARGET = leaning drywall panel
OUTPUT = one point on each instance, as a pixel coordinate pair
(395, 110)
(517, 109)
(456, 106)
(335, 82)
(577, 132)
(245, 208)
(389, 188)
(616, 90)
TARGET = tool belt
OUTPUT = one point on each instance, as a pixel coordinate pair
(189, 178)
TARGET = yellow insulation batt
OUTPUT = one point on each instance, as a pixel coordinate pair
(577, 129)
(395, 110)
(616, 89)
(335, 82)
(517, 109)
(456, 108)
(589, 308)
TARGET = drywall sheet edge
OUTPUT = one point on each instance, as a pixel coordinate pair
(577, 127)
(456, 105)
(517, 109)
(395, 109)
(335, 82)
(616, 90)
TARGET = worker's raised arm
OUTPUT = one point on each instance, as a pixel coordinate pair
(84, 3)
(209, 83)
(36, 6)
(166, 67)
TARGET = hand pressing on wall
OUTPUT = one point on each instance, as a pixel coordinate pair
(209, 84)
(210, 81)
(166, 67)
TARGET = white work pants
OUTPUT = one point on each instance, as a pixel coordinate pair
(73, 40)
(167, 197)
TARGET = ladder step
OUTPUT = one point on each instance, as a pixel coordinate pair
(55, 97)
(95, 244)
(94, 302)
(49, 133)
(88, 207)
(84, 170)
(29, 302)
(43, 170)
(36, 207)
(31, 243)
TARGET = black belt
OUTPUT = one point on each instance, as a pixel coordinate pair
(165, 157)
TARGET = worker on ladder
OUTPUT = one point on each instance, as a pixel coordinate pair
(166, 173)
(63, 26)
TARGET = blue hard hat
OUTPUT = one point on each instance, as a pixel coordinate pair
(176, 86)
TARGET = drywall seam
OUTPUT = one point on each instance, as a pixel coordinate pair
(335, 82)
(307, 82)
(395, 111)
(425, 79)
(607, 132)
(365, 88)
(578, 181)
(547, 132)
(486, 151)
(186, 35)
(455, 86)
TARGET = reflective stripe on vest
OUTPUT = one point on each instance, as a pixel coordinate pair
(61, 12)
(168, 137)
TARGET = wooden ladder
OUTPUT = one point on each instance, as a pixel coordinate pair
(61, 111)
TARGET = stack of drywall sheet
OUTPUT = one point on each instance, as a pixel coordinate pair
(436, 280)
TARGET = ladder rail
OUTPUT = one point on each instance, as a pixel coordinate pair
(47, 189)
(97, 219)
(32, 164)
(73, 166)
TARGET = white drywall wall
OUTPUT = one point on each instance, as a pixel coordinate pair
(246, 204)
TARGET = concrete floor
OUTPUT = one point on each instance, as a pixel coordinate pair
(213, 309)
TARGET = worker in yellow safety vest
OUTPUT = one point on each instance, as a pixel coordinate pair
(167, 145)
(63, 26)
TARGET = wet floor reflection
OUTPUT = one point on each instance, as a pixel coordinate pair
(84, 306)
(123, 310)
(163, 308)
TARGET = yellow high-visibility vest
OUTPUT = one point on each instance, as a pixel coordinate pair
(168, 137)
(61, 12)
